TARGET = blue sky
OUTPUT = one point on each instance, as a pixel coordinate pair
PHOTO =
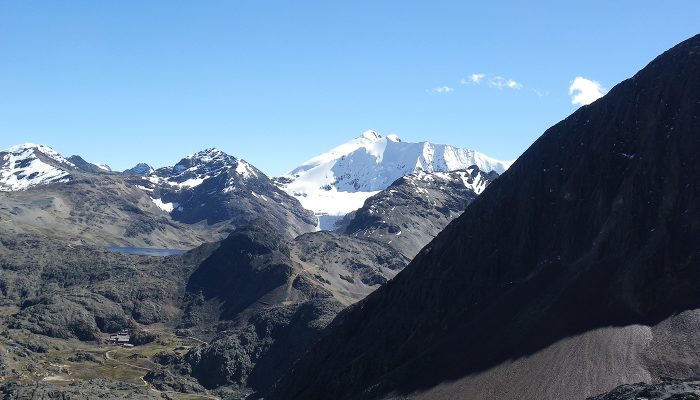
(278, 82)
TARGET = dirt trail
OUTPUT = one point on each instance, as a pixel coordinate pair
(145, 383)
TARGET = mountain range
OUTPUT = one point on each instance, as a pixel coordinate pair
(214, 192)
(380, 269)
(259, 285)
(339, 181)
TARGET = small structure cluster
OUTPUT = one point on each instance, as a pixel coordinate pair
(121, 339)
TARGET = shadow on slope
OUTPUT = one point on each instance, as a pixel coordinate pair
(597, 224)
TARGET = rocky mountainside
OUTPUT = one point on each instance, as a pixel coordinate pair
(202, 198)
(339, 181)
(213, 187)
(97, 389)
(65, 290)
(98, 209)
(255, 301)
(273, 297)
(415, 208)
(576, 271)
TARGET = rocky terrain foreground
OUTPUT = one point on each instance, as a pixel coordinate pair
(223, 320)
(671, 389)
(576, 271)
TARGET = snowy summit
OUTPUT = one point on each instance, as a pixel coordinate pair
(340, 180)
(28, 165)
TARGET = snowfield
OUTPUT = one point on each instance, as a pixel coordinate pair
(339, 181)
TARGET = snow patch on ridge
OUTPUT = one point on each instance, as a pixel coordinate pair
(244, 169)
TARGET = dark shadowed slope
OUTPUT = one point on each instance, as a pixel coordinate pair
(543, 287)
(269, 298)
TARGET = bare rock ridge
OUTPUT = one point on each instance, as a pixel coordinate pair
(415, 208)
(576, 271)
(214, 187)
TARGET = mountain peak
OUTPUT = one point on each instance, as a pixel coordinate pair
(370, 135)
(207, 154)
(393, 137)
(44, 149)
(22, 146)
(140, 169)
(28, 164)
(341, 179)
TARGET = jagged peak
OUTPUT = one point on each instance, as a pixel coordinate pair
(42, 148)
(370, 135)
(393, 138)
(211, 152)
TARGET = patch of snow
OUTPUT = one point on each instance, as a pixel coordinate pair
(259, 196)
(244, 169)
(190, 183)
(167, 207)
(145, 189)
(334, 202)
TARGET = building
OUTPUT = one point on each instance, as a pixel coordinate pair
(120, 338)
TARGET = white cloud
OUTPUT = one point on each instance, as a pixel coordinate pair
(473, 79)
(477, 78)
(495, 81)
(501, 82)
(443, 89)
(585, 91)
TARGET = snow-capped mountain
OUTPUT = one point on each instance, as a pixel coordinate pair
(192, 170)
(28, 165)
(213, 186)
(340, 180)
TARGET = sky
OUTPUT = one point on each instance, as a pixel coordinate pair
(278, 82)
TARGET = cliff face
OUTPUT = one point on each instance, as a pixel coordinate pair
(594, 229)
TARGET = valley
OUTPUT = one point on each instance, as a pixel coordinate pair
(377, 269)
